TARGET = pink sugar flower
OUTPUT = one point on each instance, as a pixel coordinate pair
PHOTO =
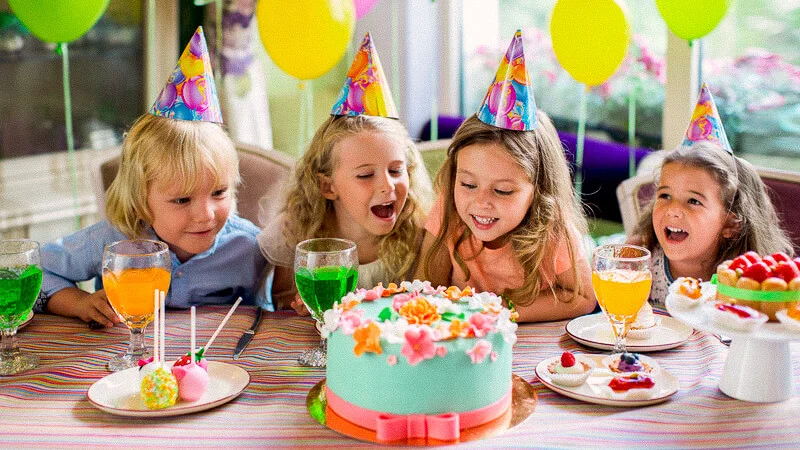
(493, 356)
(419, 345)
(481, 324)
(441, 351)
(391, 359)
(401, 299)
(373, 294)
(350, 320)
(480, 351)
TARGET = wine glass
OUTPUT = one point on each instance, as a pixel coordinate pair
(325, 270)
(132, 271)
(621, 280)
(20, 281)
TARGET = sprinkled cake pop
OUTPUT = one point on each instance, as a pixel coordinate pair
(159, 388)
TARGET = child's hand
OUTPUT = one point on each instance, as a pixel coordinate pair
(95, 307)
(299, 306)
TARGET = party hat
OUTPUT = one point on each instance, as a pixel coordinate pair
(365, 90)
(190, 93)
(509, 103)
(706, 124)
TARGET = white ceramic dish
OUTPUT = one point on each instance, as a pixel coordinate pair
(593, 391)
(595, 331)
(118, 393)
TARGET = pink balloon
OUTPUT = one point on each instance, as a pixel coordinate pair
(194, 93)
(363, 7)
(502, 98)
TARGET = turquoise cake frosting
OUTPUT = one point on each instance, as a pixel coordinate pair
(416, 349)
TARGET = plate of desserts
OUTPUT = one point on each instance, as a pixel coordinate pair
(120, 393)
(651, 332)
(27, 320)
(627, 379)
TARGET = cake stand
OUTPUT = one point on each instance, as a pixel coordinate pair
(759, 363)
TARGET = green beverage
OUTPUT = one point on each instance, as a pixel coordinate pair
(320, 288)
(19, 287)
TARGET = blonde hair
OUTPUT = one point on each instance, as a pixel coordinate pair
(158, 149)
(741, 190)
(308, 210)
(553, 210)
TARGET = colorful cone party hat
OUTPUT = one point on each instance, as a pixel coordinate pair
(509, 103)
(706, 124)
(190, 93)
(365, 90)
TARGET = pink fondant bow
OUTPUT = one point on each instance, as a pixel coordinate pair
(444, 427)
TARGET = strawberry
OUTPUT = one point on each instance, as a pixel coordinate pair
(567, 359)
(752, 256)
(758, 271)
(786, 270)
(771, 262)
(797, 262)
(780, 256)
(740, 262)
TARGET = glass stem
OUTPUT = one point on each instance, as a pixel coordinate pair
(137, 347)
(8, 347)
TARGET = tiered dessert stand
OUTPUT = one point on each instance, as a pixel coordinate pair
(759, 363)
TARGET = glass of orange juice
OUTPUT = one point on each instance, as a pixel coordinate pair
(621, 280)
(132, 271)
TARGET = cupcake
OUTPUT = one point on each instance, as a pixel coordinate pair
(686, 292)
(627, 363)
(645, 324)
(570, 370)
(737, 317)
(790, 318)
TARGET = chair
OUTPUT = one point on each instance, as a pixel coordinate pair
(634, 194)
(265, 174)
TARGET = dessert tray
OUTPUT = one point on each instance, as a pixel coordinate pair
(744, 376)
(594, 389)
(118, 393)
(595, 331)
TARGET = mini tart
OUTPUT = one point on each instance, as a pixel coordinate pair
(570, 379)
(649, 366)
(686, 292)
(634, 386)
(640, 330)
(790, 318)
(737, 317)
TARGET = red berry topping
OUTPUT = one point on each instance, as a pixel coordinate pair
(786, 270)
(567, 359)
(183, 361)
(780, 256)
(759, 271)
(633, 381)
(744, 312)
(740, 262)
(752, 256)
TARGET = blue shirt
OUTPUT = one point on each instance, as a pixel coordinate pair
(232, 267)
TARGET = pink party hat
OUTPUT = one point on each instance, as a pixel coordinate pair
(365, 90)
(706, 124)
(509, 103)
(190, 93)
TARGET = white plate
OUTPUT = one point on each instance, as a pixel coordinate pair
(118, 393)
(595, 331)
(665, 385)
(26, 321)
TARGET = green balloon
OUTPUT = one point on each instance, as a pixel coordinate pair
(58, 20)
(690, 19)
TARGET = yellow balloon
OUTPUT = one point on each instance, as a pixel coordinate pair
(590, 38)
(305, 38)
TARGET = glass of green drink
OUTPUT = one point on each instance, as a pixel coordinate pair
(325, 270)
(20, 281)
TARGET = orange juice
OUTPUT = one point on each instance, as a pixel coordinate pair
(621, 292)
(130, 291)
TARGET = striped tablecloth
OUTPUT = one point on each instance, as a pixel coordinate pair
(48, 406)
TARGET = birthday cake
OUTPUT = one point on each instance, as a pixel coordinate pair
(416, 361)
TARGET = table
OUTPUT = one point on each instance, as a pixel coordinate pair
(48, 407)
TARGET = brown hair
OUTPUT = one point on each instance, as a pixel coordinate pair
(157, 149)
(741, 190)
(308, 210)
(553, 211)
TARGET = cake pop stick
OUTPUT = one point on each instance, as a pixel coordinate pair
(156, 334)
(221, 325)
(163, 326)
(192, 338)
